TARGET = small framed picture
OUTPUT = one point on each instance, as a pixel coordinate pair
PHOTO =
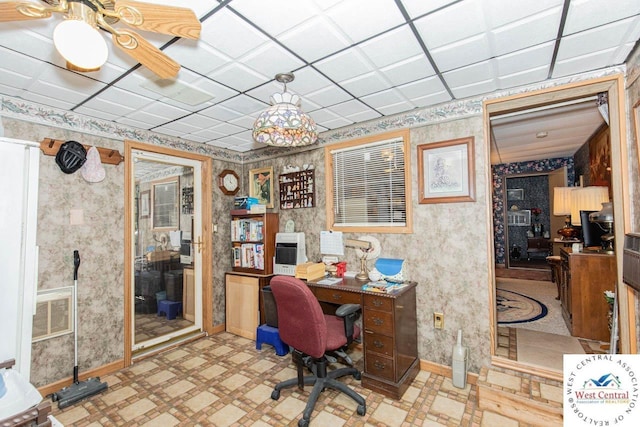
(515, 194)
(446, 171)
(261, 185)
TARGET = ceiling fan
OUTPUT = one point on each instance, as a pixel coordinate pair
(84, 48)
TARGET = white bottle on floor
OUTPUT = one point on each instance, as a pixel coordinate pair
(459, 363)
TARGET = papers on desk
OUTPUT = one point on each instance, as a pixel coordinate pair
(330, 281)
(383, 286)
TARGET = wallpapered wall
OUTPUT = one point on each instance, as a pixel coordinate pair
(498, 172)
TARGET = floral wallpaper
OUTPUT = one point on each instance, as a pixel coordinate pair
(498, 172)
(446, 254)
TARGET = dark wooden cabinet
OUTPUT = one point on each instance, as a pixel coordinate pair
(389, 333)
(584, 278)
(539, 246)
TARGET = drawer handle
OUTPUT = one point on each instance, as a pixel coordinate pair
(378, 343)
(379, 365)
(377, 302)
(378, 321)
(336, 296)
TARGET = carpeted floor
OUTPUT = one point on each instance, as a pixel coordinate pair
(546, 293)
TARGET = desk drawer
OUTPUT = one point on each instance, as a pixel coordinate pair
(380, 366)
(379, 343)
(378, 303)
(378, 321)
(336, 296)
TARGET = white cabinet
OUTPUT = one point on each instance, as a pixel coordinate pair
(18, 252)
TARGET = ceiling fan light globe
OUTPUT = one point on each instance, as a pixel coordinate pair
(80, 44)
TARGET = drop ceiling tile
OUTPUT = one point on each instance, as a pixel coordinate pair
(79, 83)
(108, 107)
(472, 74)
(143, 119)
(400, 107)
(336, 123)
(208, 134)
(379, 15)
(345, 65)
(54, 91)
(421, 88)
(15, 79)
(365, 84)
(236, 142)
(99, 114)
(325, 115)
(328, 96)
(315, 39)
(46, 100)
(30, 43)
(600, 38)
(220, 112)
(271, 59)
(231, 35)
(531, 31)
(135, 83)
(9, 89)
(533, 57)
(363, 116)
(117, 96)
(462, 53)
(522, 78)
(178, 128)
(417, 8)
(276, 16)
(432, 99)
(380, 99)
(583, 63)
(226, 129)
(19, 63)
(503, 13)
(307, 80)
(195, 138)
(585, 14)
(165, 111)
(201, 58)
(475, 89)
(238, 76)
(198, 121)
(409, 70)
(243, 104)
(391, 47)
(349, 108)
(454, 23)
(246, 121)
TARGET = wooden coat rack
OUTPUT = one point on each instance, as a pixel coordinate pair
(109, 156)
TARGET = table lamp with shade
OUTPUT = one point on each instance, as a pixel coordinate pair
(604, 218)
(562, 206)
(587, 199)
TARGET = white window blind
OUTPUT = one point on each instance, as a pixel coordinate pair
(369, 185)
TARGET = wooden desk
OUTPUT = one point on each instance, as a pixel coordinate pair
(390, 333)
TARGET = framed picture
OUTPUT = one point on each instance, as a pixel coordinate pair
(446, 171)
(261, 185)
(515, 194)
(145, 197)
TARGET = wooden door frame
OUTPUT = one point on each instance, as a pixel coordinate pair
(614, 86)
(207, 237)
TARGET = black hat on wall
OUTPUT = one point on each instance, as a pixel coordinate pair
(71, 156)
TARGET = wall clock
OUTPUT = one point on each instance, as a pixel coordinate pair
(229, 182)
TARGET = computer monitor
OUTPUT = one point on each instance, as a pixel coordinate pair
(591, 231)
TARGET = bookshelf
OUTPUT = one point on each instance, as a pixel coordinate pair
(253, 240)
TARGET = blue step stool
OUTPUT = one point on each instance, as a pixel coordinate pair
(170, 308)
(270, 335)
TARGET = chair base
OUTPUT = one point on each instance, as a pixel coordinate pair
(320, 382)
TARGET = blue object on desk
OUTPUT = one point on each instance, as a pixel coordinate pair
(391, 268)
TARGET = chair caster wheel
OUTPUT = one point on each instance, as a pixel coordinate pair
(357, 376)
(303, 423)
(275, 394)
(362, 410)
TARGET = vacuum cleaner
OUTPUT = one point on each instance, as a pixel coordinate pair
(79, 390)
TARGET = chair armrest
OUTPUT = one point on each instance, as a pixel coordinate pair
(349, 312)
(346, 309)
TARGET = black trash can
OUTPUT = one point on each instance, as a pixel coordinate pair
(270, 308)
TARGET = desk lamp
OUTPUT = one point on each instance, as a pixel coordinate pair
(587, 199)
(604, 218)
(562, 206)
(362, 248)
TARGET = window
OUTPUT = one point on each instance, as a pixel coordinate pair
(368, 184)
(166, 204)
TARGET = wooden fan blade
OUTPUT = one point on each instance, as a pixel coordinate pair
(145, 53)
(21, 11)
(176, 21)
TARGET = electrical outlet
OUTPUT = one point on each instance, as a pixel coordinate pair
(438, 320)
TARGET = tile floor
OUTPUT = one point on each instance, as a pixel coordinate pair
(223, 380)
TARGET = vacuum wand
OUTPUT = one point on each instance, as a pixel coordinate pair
(76, 265)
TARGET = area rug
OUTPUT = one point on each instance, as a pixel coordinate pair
(513, 308)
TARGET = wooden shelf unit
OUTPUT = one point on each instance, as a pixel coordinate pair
(248, 245)
(297, 189)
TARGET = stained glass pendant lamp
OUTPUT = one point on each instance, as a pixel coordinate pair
(284, 124)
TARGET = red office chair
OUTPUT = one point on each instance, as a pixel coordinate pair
(304, 327)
